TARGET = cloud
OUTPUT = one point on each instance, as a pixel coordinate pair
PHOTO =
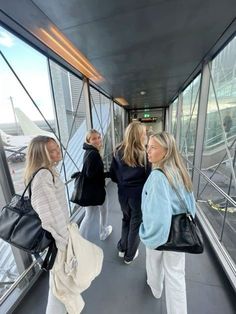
(6, 39)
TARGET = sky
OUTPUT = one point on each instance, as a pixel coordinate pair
(31, 67)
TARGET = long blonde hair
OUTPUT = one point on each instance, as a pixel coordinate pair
(172, 163)
(132, 146)
(38, 156)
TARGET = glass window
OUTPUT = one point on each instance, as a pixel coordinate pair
(101, 119)
(71, 116)
(118, 123)
(26, 111)
(218, 160)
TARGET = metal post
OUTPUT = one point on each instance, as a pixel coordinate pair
(112, 125)
(170, 111)
(201, 124)
(87, 99)
(166, 115)
(178, 118)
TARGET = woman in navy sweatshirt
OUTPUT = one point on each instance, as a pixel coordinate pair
(129, 169)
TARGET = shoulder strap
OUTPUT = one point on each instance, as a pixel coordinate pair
(177, 193)
(29, 184)
(48, 261)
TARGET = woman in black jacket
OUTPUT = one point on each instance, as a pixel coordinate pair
(129, 169)
(94, 185)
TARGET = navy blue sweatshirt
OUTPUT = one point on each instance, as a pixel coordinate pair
(130, 180)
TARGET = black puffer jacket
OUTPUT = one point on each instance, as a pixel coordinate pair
(93, 169)
(130, 180)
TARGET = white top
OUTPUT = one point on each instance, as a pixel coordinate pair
(49, 201)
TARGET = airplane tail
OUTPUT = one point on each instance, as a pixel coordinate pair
(29, 127)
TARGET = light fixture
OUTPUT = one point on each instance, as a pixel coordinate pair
(142, 92)
(56, 41)
(121, 101)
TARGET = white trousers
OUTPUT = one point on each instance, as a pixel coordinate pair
(54, 306)
(95, 220)
(168, 267)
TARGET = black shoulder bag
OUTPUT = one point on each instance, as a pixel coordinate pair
(80, 195)
(184, 235)
(77, 195)
(21, 227)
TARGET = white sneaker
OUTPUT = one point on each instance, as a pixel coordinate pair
(121, 254)
(106, 233)
(135, 256)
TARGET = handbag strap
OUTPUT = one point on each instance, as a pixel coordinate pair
(48, 261)
(181, 200)
(178, 195)
(28, 186)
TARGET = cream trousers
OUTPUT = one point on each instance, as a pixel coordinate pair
(169, 268)
(94, 221)
(54, 306)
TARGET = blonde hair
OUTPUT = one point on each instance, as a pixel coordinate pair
(172, 163)
(89, 134)
(38, 156)
(132, 146)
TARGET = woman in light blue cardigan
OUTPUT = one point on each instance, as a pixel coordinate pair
(159, 203)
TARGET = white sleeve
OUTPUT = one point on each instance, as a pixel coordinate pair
(46, 204)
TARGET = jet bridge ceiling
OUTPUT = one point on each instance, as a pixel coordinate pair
(155, 46)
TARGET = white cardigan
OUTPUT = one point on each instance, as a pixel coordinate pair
(75, 269)
(49, 201)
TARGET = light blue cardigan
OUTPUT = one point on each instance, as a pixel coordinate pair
(159, 202)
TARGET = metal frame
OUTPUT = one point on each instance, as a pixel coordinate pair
(166, 119)
(170, 119)
(221, 253)
(87, 99)
(112, 125)
(201, 122)
(178, 118)
(22, 259)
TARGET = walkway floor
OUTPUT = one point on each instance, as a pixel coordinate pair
(122, 288)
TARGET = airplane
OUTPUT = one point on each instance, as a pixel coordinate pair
(15, 145)
(15, 140)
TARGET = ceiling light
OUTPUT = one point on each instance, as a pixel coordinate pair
(142, 92)
(64, 48)
(121, 101)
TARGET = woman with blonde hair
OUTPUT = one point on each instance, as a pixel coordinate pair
(159, 203)
(96, 212)
(129, 169)
(48, 198)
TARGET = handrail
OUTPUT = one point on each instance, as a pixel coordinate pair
(18, 281)
(225, 195)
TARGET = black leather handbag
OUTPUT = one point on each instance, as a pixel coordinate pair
(77, 196)
(184, 235)
(21, 227)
